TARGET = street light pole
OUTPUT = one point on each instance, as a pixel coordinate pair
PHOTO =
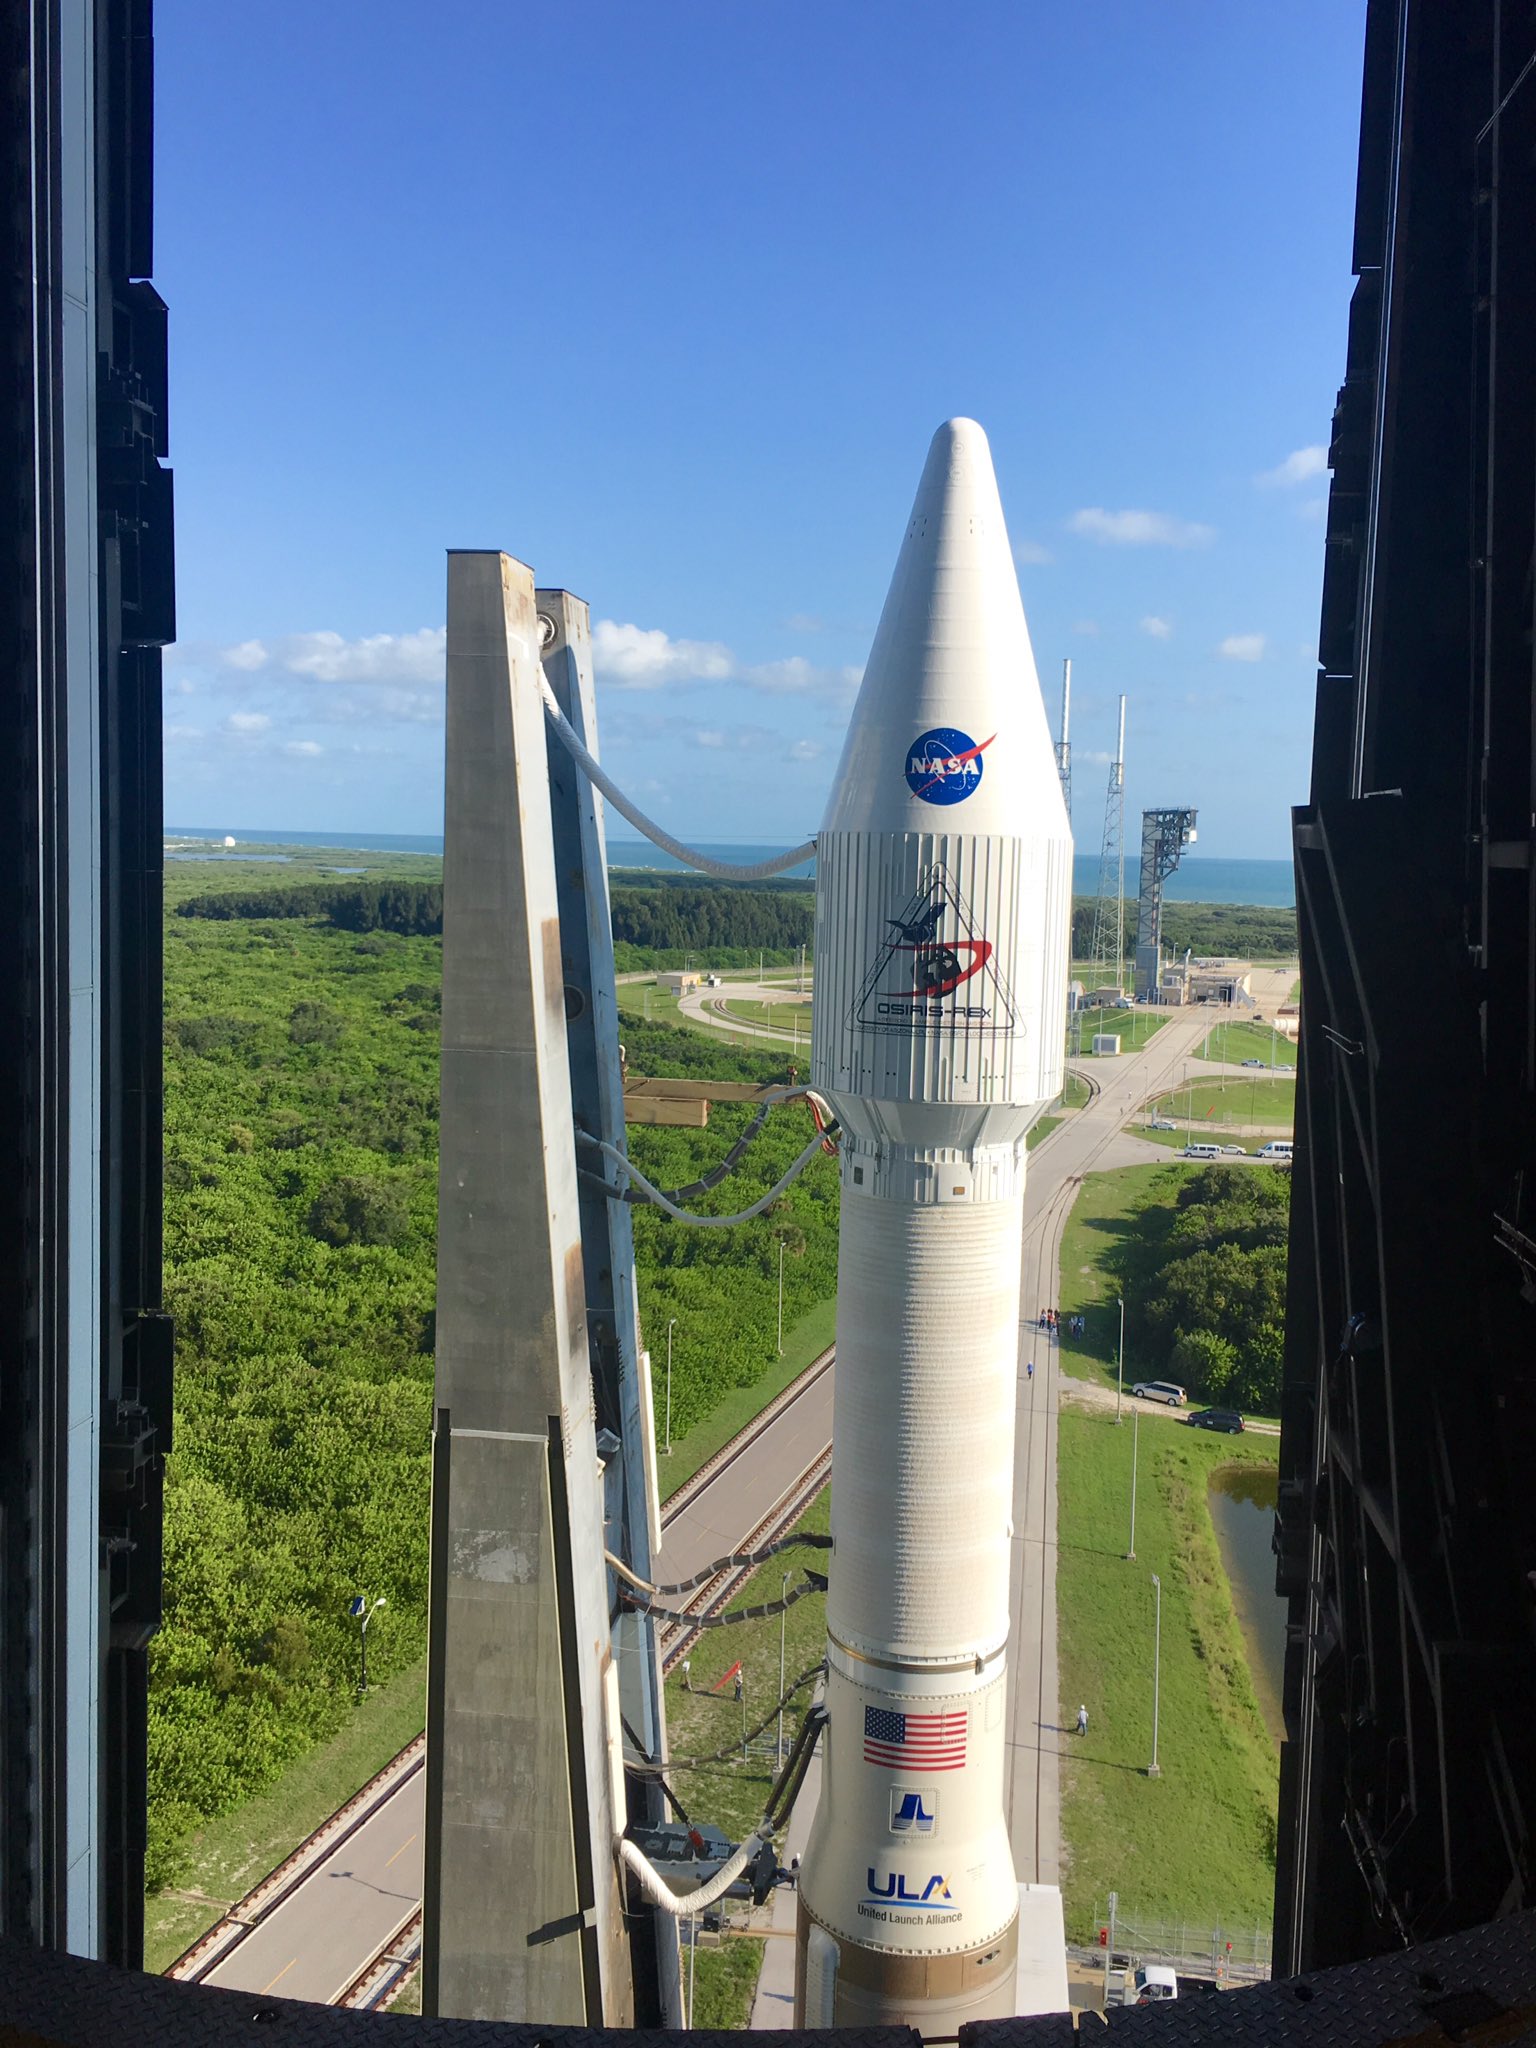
(783, 1617)
(781, 1297)
(362, 1613)
(1120, 1367)
(1154, 1769)
(670, 1322)
(1130, 1555)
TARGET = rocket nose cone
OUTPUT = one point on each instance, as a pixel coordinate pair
(951, 675)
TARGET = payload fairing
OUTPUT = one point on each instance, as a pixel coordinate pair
(943, 898)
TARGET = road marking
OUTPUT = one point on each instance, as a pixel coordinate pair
(282, 1973)
(401, 1850)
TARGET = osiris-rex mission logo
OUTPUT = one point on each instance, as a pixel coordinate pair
(933, 968)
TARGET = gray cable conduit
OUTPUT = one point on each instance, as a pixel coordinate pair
(686, 1216)
(802, 1540)
(683, 1906)
(592, 768)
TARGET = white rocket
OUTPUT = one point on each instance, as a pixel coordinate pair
(943, 897)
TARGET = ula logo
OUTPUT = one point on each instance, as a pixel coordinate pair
(899, 1890)
(944, 765)
(910, 1816)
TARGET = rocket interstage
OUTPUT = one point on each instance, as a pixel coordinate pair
(943, 898)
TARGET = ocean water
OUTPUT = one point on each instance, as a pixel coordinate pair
(1198, 879)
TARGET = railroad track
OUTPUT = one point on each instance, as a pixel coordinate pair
(387, 1971)
(677, 1638)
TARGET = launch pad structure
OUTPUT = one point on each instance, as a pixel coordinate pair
(1164, 836)
(1106, 947)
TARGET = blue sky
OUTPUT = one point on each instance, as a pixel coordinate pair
(668, 299)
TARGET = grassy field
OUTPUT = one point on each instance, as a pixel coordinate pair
(1041, 1128)
(226, 1857)
(1198, 1842)
(803, 1341)
(732, 1793)
(1261, 1099)
(1243, 1041)
(1077, 1093)
(1132, 1027)
(1100, 1219)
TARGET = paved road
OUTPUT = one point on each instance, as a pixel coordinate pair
(717, 1518)
(313, 1944)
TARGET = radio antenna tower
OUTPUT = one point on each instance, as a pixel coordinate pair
(1064, 744)
(1107, 950)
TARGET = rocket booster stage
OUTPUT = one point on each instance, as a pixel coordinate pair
(943, 894)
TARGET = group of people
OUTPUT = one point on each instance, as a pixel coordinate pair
(1052, 1319)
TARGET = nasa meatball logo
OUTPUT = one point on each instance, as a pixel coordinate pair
(944, 765)
(934, 968)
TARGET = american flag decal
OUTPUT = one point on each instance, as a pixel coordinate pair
(914, 1742)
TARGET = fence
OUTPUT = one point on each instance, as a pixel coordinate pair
(1229, 1955)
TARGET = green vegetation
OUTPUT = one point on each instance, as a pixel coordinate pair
(1040, 1129)
(1197, 1843)
(300, 1178)
(698, 915)
(1259, 1099)
(1077, 1093)
(1239, 1040)
(803, 1341)
(733, 1793)
(222, 1860)
(413, 908)
(1132, 1027)
(1198, 1254)
(1242, 931)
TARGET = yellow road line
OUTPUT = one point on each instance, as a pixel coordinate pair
(282, 1973)
(401, 1850)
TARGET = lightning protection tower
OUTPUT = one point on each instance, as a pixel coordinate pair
(1064, 744)
(1164, 836)
(1106, 950)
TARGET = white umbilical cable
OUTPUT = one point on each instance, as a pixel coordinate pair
(592, 768)
(660, 1893)
(685, 1215)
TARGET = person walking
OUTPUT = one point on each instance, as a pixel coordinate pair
(1029, 1370)
(1082, 1720)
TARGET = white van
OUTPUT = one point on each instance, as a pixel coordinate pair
(1208, 1151)
(1154, 1984)
(1277, 1148)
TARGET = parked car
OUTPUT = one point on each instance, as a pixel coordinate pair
(1240, 1150)
(1227, 1420)
(1255, 1063)
(1162, 1123)
(1160, 1390)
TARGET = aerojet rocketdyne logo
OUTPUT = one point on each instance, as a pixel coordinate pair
(944, 765)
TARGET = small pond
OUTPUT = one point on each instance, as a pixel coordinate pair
(1243, 1510)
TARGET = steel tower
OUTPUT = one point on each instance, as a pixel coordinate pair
(1164, 836)
(1106, 950)
(1064, 744)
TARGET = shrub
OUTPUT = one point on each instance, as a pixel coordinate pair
(358, 1210)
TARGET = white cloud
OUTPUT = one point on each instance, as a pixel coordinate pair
(377, 658)
(247, 723)
(1155, 628)
(806, 750)
(1299, 467)
(183, 735)
(304, 750)
(1140, 529)
(710, 739)
(795, 676)
(250, 654)
(643, 657)
(1242, 647)
(1029, 553)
